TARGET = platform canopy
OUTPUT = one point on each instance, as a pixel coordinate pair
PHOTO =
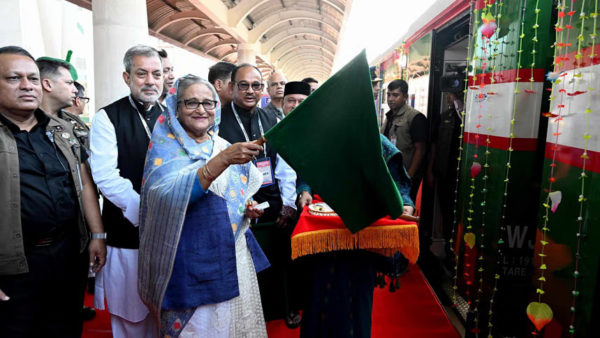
(298, 37)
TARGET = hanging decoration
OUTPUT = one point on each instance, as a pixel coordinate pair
(455, 250)
(471, 269)
(585, 156)
(538, 312)
(502, 231)
(555, 199)
(475, 169)
(489, 24)
(488, 66)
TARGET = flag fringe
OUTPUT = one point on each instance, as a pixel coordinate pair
(385, 240)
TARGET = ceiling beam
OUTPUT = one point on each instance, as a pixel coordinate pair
(221, 57)
(189, 38)
(337, 5)
(218, 12)
(305, 58)
(276, 17)
(219, 43)
(307, 72)
(310, 66)
(179, 16)
(288, 32)
(302, 73)
(299, 74)
(298, 38)
(291, 43)
(180, 45)
(238, 13)
(279, 55)
(297, 53)
(298, 63)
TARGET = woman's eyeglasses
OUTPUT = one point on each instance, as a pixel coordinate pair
(194, 104)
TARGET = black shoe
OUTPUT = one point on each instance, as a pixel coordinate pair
(88, 313)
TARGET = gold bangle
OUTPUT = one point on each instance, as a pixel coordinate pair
(208, 171)
(206, 174)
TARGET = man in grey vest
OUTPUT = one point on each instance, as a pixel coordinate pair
(408, 130)
(119, 139)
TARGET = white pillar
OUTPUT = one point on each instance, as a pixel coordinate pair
(51, 22)
(118, 25)
(246, 53)
(21, 26)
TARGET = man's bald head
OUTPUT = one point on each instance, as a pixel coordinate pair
(276, 85)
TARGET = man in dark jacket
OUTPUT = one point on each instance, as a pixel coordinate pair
(46, 195)
(243, 121)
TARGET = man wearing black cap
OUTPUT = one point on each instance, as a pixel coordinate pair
(295, 92)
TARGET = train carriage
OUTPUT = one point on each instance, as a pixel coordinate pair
(522, 228)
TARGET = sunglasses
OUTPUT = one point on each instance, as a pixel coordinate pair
(244, 86)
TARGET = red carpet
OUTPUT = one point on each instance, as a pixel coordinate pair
(412, 311)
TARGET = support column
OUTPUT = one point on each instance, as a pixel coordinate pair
(246, 54)
(118, 25)
(21, 26)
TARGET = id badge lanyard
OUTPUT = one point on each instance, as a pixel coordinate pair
(148, 132)
(264, 164)
(260, 127)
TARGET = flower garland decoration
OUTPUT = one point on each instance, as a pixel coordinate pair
(454, 233)
(498, 6)
(469, 237)
(538, 312)
(489, 57)
(585, 156)
(502, 232)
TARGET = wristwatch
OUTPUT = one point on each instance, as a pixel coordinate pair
(98, 235)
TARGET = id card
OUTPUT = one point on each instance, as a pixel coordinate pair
(264, 166)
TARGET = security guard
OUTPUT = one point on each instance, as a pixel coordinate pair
(45, 198)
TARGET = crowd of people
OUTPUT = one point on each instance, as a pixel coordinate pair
(191, 235)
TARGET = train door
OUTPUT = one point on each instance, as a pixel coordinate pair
(448, 64)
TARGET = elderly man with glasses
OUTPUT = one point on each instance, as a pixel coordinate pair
(241, 121)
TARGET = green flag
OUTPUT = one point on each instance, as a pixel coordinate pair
(332, 141)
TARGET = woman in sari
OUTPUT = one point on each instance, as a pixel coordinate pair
(198, 260)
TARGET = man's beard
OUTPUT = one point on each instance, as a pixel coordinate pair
(145, 98)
